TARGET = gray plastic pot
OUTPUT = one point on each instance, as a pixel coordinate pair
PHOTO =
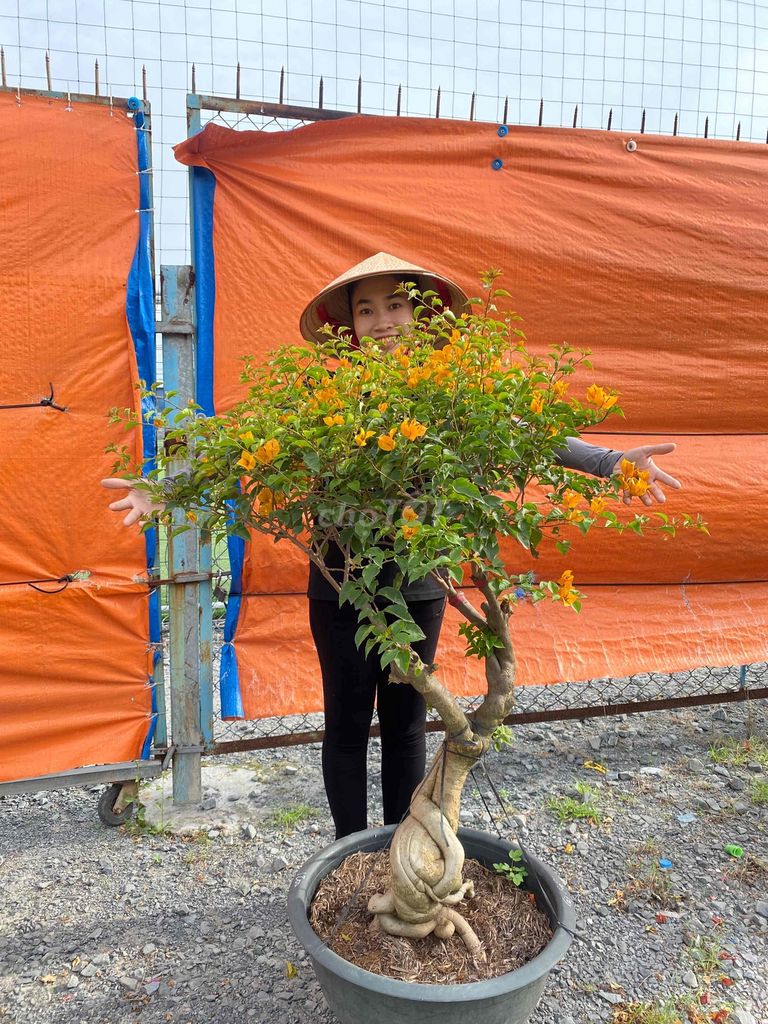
(357, 996)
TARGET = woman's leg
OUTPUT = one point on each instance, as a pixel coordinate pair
(349, 687)
(402, 716)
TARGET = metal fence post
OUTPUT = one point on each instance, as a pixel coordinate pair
(185, 610)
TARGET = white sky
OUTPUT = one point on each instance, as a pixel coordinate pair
(696, 57)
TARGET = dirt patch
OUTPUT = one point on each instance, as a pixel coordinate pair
(506, 920)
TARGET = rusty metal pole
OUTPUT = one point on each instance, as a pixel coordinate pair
(183, 558)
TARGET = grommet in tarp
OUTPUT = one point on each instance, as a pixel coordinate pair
(134, 103)
(631, 146)
(497, 164)
(502, 130)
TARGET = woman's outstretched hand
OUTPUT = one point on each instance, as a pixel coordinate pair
(642, 457)
(139, 506)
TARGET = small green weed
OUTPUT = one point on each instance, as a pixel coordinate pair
(733, 751)
(289, 817)
(139, 826)
(759, 793)
(514, 871)
(568, 808)
(707, 956)
(648, 1013)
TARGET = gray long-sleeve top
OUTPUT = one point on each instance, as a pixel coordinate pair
(580, 455)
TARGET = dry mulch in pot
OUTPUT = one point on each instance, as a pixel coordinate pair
(510, 926)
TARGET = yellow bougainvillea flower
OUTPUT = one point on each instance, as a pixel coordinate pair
(598, 396)
(268, 451)
(569, 597)
(404, 361)
(560, 387)
(192, 517)
(409, 514)
(455, 335)
(333, 421)
(571, 498)
(383, 406)
(265, 501)
(633, 480)
(409, 532)
(247, 436)
(344, 364)
(412, 429)
(247, 461)
(597, 506)
(387, 441)
(361, 437)
(537, 402)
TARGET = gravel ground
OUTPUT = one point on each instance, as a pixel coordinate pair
(105, 926)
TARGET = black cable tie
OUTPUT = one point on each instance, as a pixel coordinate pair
(47, 402)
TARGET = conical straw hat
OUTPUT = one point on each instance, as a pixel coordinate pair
(331, 305)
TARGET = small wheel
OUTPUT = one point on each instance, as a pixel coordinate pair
(106, 809)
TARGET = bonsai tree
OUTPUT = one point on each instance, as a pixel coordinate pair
(420, 459)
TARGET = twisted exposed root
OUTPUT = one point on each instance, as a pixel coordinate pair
(427, 860)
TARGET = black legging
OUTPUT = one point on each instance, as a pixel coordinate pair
(350, 683)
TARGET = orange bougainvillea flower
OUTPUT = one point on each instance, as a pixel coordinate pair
(409, 514)
(247, 436)
(265, 501)
(565, 588)
(597, 506)
(455, 335)
(409, 532)
(412, 429)
(268, 451)
(333, 421)
(361, 437)
(383, 406)
(386, 442)
(598, 396)
(192, 517)
(247, 461)
(537, 402)
(560, 387)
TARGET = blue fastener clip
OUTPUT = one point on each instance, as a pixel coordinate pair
(502, 131)
(497, 164)
(134, 103)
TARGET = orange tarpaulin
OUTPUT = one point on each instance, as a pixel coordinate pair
(654, 258)
(73, 660)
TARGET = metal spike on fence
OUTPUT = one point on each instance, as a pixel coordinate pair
(399, 98)
(506, 110)
(18, 94)
(706, 127)
(281, 92)
(237, 82)
(642, 124)
(541, 112)
(194, 79)
(320, 94)
(360, 94)
(610, 119)
(738, 132)
(96, 78)
(437, 104)
(674, 127)
(575, 114)
(2, 68)
(472, 108)
(48, 70)
(111, 103)
(144, 93)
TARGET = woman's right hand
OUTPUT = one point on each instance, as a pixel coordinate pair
(138, 503)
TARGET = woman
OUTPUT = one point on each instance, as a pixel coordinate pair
(366, 299)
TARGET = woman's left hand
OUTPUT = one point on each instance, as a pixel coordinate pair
(642, 457)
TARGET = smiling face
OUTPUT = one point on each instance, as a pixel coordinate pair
(377, 311)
